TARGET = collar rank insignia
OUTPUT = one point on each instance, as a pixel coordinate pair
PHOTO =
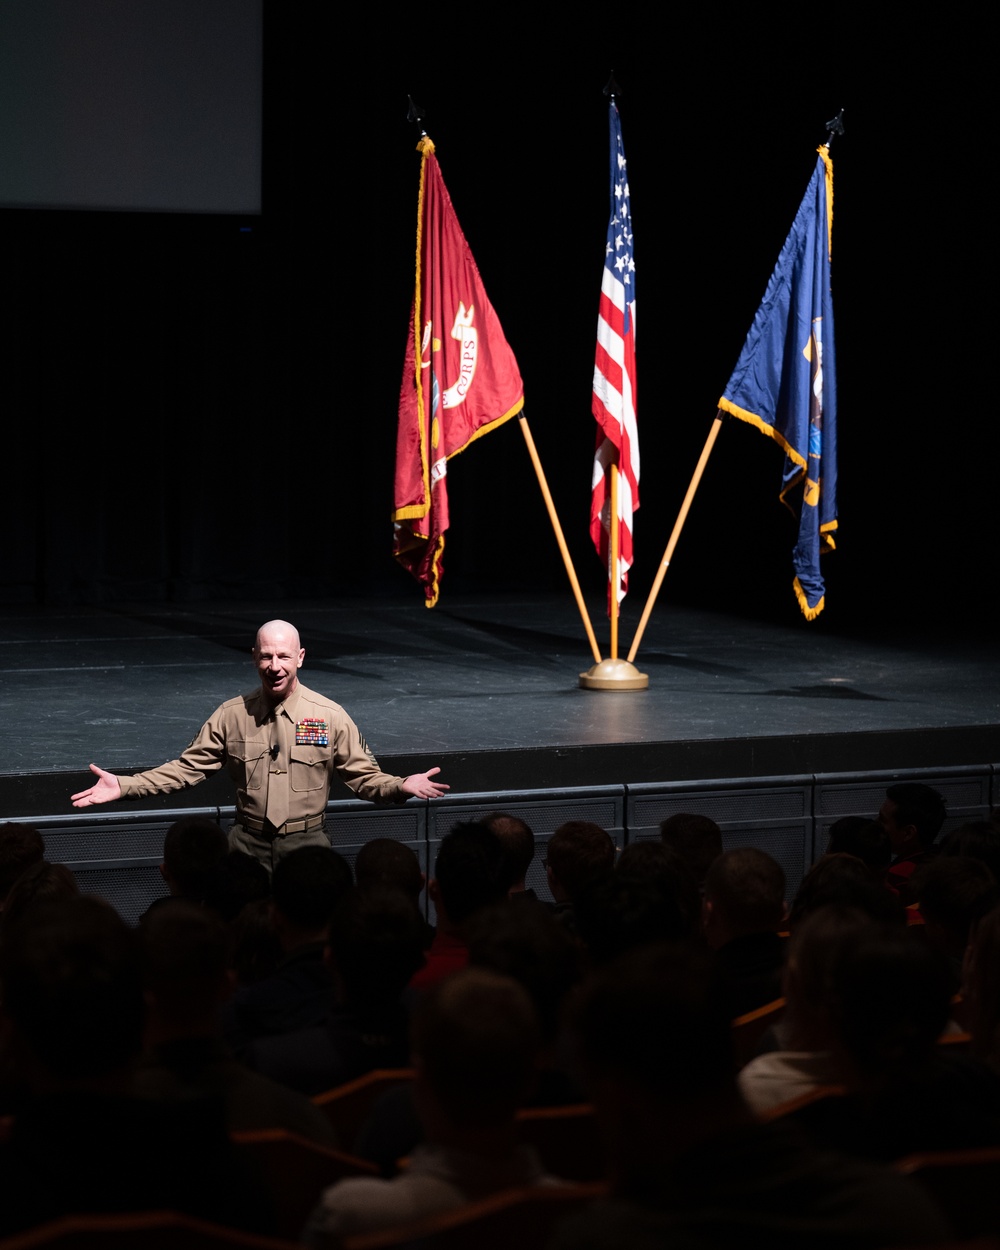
(311, 732)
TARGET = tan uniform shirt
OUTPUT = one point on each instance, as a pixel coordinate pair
(240, 735)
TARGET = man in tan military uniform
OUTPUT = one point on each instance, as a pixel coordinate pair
(282, 746)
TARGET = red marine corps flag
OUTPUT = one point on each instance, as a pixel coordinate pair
(460, 378)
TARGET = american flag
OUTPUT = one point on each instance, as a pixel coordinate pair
(613, 404)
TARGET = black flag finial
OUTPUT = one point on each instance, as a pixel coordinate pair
(415, 114)
(835, 126)
(611, 88)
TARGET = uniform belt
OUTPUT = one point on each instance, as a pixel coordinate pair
(253, 825)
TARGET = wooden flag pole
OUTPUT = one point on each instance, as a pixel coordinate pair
(706, 451)
(557, 528)
(613, 570)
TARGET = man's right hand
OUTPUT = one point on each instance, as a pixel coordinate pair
(106, 789)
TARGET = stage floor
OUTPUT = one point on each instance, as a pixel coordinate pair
(487, 688)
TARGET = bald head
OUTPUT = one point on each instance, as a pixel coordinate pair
(278, 655)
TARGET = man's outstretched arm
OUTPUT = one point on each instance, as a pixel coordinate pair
(421, 786)
(106, 790)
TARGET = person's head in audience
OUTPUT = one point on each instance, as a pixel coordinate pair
(744, 894)
(41, 884)
(696, 839)
(528, 944)
(468, 875)
(256, 951)
(185, 965)
(474, 1042)
(375, 946)
(385, 864)
(978, 839)
(72, 997)
(579, 854)
(843, 879)
(241, 879)
(193, 850)
(890, 998)
(656, 1057)
(20, 847)
(814, 950)
(632, 908)
(865, 839)
(912, 815)
(518, 844)
(953, 892)
(306, 887)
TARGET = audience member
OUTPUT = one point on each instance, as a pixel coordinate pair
(20, 847)
(579, 855)
(73, 1019)
(650, 897)
(518, 844)
(842, 878)
(386, 864)
(689, 1164)
(468, 875)
(979, 839)
(742, 911)
(912, 815)
(953, 892)
(307, 886)
(375, 945)
(184, 952)
(41, 884)
(193, 851)
(696, 839)
(865, 839)
(474, 1042)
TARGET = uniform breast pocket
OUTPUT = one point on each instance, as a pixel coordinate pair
(310, 769)
(248, 762)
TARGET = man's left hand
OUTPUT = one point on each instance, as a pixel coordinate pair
(421, 786)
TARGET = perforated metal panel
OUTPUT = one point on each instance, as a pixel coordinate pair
(129, 890)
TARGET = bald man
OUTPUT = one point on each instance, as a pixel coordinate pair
(281, 745)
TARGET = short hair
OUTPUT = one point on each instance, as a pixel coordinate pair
(954, 891)
(38, 886)
(658, 1018)
(863, 838)
(580, 853)
(530, 945)
(20, 847)
(696, 839)
(71, 984)
(307, 885)
(387, 864)
(978, 839)
(918, 805)
(241, 879)
(843, 878)
(469, 870)
(185, 955)
(193, 849)
(626, 911)
(376, 941)
(747, 887)
(518, 844)
(476, 1040)
(890, 998)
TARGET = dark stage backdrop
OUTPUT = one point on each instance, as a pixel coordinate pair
(197, 410)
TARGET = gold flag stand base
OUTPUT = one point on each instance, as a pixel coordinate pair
(614, 675)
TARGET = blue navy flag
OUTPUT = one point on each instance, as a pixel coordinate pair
(785, 381)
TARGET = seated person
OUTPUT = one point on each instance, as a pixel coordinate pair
(474, 1041)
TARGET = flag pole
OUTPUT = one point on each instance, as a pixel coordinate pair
(706, 451)
(560, 539)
